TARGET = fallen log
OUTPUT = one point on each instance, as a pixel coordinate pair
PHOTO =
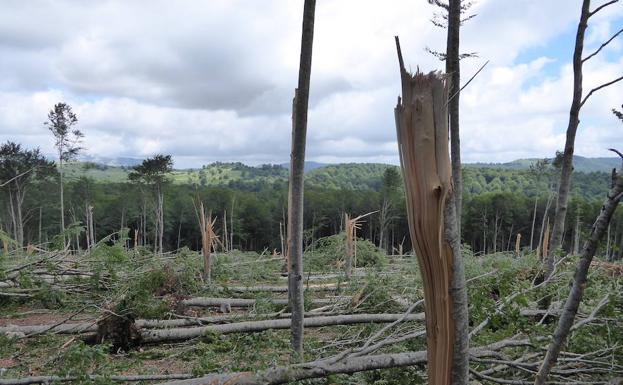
(183, 334)
(281, 289)
(314, 369)
(248, 302)
(70, 328)
(50, 379)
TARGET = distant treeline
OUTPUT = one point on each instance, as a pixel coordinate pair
(498, 204)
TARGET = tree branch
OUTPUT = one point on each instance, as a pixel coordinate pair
(600, 87)
(603, 45)
(602, 7)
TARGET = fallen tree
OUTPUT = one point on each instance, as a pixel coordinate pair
(282, 289)
(182, 334)
(248, 302)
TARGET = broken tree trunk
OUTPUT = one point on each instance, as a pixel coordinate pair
(579, 280)
(348, 225)
(422, 128)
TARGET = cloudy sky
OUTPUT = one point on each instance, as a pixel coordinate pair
(214, 80)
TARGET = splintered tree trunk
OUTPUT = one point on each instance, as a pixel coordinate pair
(546, 240)
(422, 128)
(348, 226)
(533, 223)
(295, 196)
(576, 236)
(579, 280)
(517, 245)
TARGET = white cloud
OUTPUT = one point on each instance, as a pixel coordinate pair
(214, 81)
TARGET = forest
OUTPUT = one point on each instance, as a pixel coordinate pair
(436, 271)
(499, 204)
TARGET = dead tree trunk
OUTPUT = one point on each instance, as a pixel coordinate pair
(579, 280)
(297, 167)
(348, 226)
(574, 121)
(533, 223)
(422, 128)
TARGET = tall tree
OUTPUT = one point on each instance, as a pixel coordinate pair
(18, 168)
(452, 21)
(579, 99)
(61, 122)
(295, 193)
(153, 173)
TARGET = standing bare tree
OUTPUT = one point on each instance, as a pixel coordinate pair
(452, 21)
(61, 122)
(579, 99)
(295, 193)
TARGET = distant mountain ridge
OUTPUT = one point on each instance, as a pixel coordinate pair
(580, 163)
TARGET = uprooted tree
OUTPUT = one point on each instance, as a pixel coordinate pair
(422, 128)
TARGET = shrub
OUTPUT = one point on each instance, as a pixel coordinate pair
(330, 251)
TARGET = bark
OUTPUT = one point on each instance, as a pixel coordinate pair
(183, 334)
(574, 120)
(579, 280)
(297, 166)
(453, 69)
(422, 130)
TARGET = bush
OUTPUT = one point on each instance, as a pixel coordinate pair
(330, 252)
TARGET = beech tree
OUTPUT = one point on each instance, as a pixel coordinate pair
(579, 99)
(61, 122)
(295, 191)
(153, 172)
(19, 167)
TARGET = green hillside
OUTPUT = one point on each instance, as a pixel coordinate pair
(478, 178)
(580, 164)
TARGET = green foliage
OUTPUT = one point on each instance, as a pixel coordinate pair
(143, 296)
(82, 360)
(329, 251)
(74, 230)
